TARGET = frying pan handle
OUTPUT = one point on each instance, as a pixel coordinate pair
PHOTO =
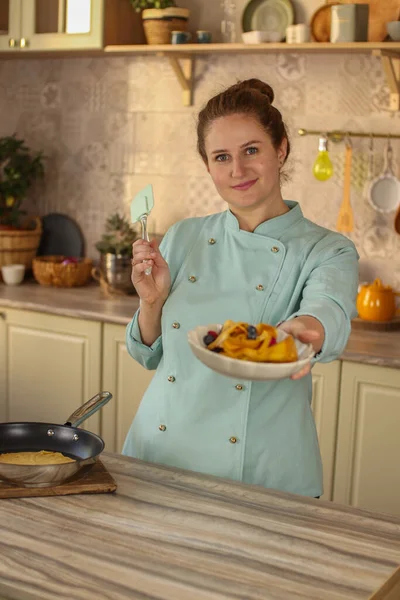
(88, 409)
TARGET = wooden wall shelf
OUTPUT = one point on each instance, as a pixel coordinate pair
(182, 57)
(199, 49)
(389, 53)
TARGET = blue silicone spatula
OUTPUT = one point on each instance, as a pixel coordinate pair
(141, 207)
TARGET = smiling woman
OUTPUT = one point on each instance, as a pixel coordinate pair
(244, 143)
(260, 261)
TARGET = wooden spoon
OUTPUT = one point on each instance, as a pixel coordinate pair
(345, 222)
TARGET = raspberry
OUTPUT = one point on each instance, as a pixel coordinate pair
(272, 342)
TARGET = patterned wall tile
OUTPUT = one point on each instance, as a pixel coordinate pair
(111, 125)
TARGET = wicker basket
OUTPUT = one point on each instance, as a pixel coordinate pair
(20, 246)
(160, 23)
(49, 270)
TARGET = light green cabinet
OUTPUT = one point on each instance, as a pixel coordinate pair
(325, 406)
(127, 380)
(10, 24)
(51, 366)
(367, 473)
(51, 25)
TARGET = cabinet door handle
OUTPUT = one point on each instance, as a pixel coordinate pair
(23, 43)
(13, 43)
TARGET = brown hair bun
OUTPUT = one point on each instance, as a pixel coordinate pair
(259, 86)
(250, 97)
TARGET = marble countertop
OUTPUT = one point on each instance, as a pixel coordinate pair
(170, 534)
(88, 302)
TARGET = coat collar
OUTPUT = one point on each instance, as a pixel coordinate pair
(275, 227)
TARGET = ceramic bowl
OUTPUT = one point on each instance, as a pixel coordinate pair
(243, 369)
(255, 37)
(13, 274)
(393, 29)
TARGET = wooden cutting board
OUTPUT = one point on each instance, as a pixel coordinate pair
(380, 12)
(97, 480)
(361, 324)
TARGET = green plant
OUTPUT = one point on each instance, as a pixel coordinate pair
(118, 238)
(18, 170)
(139, 5)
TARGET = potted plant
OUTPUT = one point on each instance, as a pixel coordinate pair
(160, 18)
(115, 247)
(19, 168)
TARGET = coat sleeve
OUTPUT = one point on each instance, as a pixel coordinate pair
(173, 248)
(329, 295)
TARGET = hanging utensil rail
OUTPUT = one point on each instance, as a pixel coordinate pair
(340, 136)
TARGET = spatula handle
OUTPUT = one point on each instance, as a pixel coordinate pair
(145, 236)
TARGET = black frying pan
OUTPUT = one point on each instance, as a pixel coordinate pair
(84, 447)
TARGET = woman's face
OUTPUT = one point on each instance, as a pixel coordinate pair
(243, 163)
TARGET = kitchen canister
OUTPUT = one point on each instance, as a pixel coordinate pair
(349, 23)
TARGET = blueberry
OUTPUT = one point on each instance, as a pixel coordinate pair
(217, 350)
(208, 339)
(251, 332)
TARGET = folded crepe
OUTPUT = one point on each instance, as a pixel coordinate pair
(262, 346)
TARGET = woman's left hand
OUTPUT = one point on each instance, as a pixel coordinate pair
(307, 330)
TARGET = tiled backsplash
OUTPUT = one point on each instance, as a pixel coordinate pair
(109, 126)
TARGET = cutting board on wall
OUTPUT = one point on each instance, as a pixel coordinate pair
(380, 12)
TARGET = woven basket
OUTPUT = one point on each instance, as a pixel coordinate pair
(20, 246)
(158, 24)
(49, 270)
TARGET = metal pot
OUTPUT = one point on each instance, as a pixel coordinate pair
(83, 446)
(116, 270)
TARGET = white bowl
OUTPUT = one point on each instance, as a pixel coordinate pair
(245, 369)
(255, 37)
(393, 29)
(13, 274)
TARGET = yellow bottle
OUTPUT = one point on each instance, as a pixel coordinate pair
(323, 168)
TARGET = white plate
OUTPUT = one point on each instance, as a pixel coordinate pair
(245, 369)
(273, 16)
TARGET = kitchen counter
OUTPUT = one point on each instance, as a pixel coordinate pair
(86, 302)
(170, 534)
(370, 347)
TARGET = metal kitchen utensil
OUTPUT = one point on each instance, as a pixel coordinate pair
(83, 446)
(141, 207)
(371, 167)
(397, 221)
(384, 191)
(345, 222)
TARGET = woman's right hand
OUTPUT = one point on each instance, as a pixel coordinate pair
(152, 289)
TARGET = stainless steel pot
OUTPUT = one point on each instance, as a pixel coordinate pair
(116, 271)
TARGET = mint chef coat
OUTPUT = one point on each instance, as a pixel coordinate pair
(193, 418)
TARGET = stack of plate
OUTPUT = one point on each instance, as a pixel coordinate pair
(270, 16)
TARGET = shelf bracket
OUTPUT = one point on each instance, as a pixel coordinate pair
(184, 74)
(391, 66)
